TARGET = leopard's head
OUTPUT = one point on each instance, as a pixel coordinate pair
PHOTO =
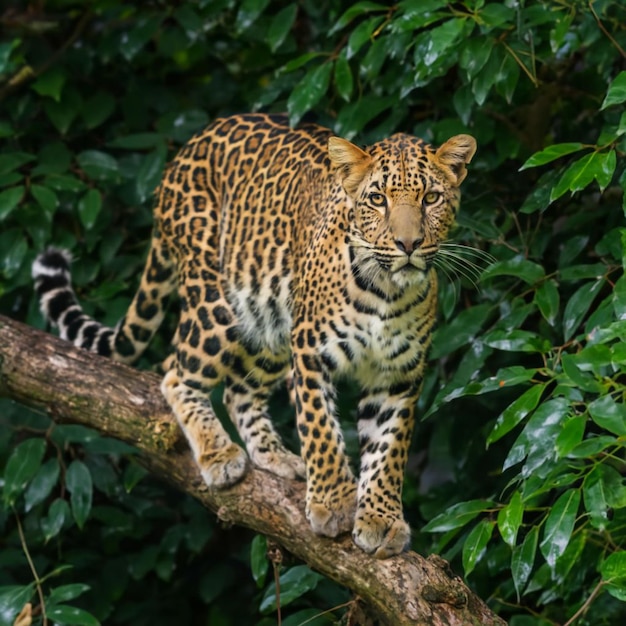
(405, 196)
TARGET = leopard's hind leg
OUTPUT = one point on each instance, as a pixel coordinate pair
(247, 403)
(222, 463)
(201, 362)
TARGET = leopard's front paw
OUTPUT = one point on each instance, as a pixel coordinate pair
(332, 516)
(223, 467)
(381, 535)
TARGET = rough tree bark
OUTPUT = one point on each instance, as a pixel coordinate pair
(74, 386)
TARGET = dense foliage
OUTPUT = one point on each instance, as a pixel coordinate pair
(517, 472)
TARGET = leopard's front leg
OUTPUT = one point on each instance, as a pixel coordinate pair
(385, 424)
(331, 488)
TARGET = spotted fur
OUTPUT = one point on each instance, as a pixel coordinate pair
(293, 251)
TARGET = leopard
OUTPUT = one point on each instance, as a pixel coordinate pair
(295, 254)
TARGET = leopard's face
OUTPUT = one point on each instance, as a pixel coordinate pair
(405, 196)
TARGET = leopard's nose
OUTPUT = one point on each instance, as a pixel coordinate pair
(409, 245)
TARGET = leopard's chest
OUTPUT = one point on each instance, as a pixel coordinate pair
(376, 350)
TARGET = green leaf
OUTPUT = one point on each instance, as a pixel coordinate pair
(575, 377)
(510, 519)
(505, 377)
(357, 9)
(9, 199)
(614, 566)
(579, 174)
(23, 464)
(248, 13)
(578, 306)
(460, 331)
(149, 174)
(457, 516)
(539, 197)
(484, 81)
(595, 496)
(523, 559)
(547, 300)
(497, 14)
(592, 446)
(537, 440)
(14, 248)
(98, 165)
(133, 475)
(519, 267)
(50, 83)
(613, 570)
(132, 41)
(294, 583)
(609, 414)
(309, 91)
(474, 55)
(571, 558)
(12, 161)
(46, 198)
(280, 26)
(58, 514)
(616, 93)
(578, 272)
(516, 341)
(79, 484)
(12, 601)
(63, 113)
(559, 526)
(53, 158)
(64, 434)
(64, 593)
(71, 616)
(42, 484)
(551, 153)
(374, 58)
(89, 207)
(619, 298)
(515, 413)
(571, 435)
(361, 34)
(97, 109)
(435, 50)
(475, 544)
(6, 48)
(507, 77)
(344, 82)
(258, 559)
(607, 162)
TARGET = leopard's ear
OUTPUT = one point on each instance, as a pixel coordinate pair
(455, 154)
(350, 160)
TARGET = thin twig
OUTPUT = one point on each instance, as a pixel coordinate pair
(605, 31)
(586, 604)
(20, 531)
(276, 567)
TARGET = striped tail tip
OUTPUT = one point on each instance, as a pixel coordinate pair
(53, 284)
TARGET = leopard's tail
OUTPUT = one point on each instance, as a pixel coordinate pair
(130, 337)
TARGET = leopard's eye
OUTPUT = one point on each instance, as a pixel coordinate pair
(431, 197)
(378, 199)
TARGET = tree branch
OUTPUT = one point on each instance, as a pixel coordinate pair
(72, 385)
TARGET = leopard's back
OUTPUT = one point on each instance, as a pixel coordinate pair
(231, 210)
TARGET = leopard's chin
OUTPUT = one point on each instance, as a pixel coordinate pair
(411, 273)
